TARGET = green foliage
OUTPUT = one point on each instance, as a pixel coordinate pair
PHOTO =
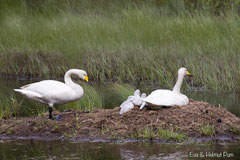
(207, 130)
(30, 108)
(114, 94)
(156, 133)
(90, 100)
(9, 107)
(123, 41)
(49, 8)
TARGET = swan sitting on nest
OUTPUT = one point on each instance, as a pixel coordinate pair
(132, 101)
(163, 97)
(53, 92)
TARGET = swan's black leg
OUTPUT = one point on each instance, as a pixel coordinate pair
(50, 112)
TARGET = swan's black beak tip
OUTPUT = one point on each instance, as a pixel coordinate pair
(90, 83)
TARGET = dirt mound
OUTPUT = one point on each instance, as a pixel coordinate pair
(196, 119)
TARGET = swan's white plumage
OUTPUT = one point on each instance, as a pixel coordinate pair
(126, 102)
(137, 100)
(144, 95)
(132, 101)
(137, 93)
(53, 92)
(128, 105)
(163, 97)
(166, 98)
(29, 94)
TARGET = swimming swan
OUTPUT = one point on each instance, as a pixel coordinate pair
(162, 97)
(53, 92)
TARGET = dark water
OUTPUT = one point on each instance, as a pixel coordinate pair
(38, 149)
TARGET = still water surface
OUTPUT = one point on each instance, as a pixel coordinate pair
(45, 149)
(38, 149)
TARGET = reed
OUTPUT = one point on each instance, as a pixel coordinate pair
(115, 94)
(12, 106)
(90, 100)
(122, 42)
(9, 108)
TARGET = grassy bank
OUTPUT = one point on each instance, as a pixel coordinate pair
(15, 105)
(123, 43)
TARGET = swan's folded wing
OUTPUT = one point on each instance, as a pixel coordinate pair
(161, 101)
(49, 88)
(166, 98)
(124, 103)
(29, 93)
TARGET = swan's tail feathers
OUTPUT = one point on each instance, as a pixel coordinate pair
(143, 105)
(17, 90)
(25, 86)
(28, 93)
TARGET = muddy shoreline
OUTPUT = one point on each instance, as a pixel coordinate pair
(195, 122)
(191, 140)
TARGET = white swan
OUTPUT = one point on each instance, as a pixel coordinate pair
(53, 92)
(132, 101)
(162, 97)
(126, 105)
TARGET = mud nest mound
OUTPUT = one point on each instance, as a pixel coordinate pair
(197, 119)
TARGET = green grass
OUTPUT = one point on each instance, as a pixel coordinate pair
(121, 42)
(207, 130)
(110, 96)
(9, 107)
(12, 106)
(90, 100)
(148, 132)
(155, 133)
(114, 94)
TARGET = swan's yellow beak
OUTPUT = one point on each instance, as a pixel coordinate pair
(86, 78)
(189, 74)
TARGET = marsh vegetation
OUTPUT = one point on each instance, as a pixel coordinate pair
(128, 42)
(95, 97)
(123, 41)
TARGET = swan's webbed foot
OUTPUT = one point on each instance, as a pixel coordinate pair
(51, 118)
(58, 118)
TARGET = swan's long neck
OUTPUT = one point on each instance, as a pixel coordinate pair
(178, 84)
(68, 80)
